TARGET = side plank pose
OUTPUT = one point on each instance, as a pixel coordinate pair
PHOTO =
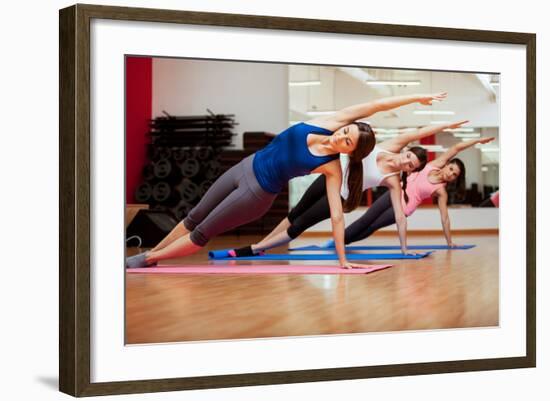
(429, 182)
(246, 191)
(380, 168)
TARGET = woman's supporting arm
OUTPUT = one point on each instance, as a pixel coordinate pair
(442, 198)
(333, 183)
(333, 174)
(400, 218)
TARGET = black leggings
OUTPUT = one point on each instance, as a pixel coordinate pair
(380, 214)
(314, 208)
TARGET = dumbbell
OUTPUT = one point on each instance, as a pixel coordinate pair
(188, 190)
(164, 152)
(181, 154)
(190, 167)
(143, 192)
(162, 192)
(162, 168)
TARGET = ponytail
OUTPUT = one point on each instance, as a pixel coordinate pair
(404, 176)
(365, 145)
(459, 186)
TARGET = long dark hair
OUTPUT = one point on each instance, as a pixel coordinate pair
(459, 185)
(422, 156)
(365, 145)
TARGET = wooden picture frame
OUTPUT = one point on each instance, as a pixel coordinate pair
(75, 207)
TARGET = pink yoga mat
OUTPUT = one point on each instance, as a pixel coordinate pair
(258, 269)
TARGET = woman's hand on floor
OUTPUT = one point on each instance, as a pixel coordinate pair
(350, 265)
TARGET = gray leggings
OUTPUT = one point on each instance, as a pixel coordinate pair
(234, 199)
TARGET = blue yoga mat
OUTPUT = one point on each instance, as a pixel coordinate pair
(378, 247)
(222, 254)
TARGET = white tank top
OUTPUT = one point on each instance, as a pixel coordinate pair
(372, 177)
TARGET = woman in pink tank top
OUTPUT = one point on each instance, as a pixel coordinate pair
(429, 182)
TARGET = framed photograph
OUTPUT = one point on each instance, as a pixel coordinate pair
(161, 111)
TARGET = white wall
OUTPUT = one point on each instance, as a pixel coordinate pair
(29, 285)
(256, 93)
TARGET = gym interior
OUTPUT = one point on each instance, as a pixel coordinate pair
(188, 121)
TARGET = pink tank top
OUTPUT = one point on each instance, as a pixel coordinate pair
(419, 188)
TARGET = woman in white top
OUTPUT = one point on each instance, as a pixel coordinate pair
(382, 167)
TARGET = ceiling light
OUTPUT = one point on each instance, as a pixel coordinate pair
(465, 129)
(466, 134)
(394, 130)
(434, 112)
(320, 113)
(385, 136)
(393, 83)
(487, 149)
(304, 83)
(434, 148)
(386, 130)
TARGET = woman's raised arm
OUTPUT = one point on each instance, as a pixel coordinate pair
(456, 149)
(333, 174)
(400, 141)
(356, 112)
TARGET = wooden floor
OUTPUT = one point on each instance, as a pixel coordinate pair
(448, 289)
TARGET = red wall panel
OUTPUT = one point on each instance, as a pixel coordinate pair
(139, 96)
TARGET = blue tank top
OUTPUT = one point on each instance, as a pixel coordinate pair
(288, 156)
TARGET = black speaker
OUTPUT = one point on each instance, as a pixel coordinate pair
(151, 226)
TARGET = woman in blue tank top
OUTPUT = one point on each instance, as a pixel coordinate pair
(246, 191)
